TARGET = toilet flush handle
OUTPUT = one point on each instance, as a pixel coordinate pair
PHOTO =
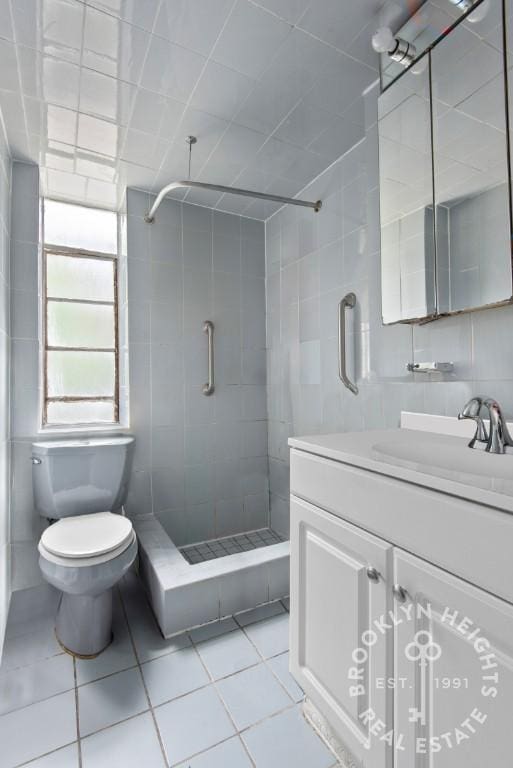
(36, 461)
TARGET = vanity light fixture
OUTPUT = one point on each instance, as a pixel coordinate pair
(384, 41)
(477, 15)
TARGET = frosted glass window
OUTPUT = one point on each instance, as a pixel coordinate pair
(81, 412)
(80, 312)
(80, 374)
(70, 277)
(80, 325)
(75, 226)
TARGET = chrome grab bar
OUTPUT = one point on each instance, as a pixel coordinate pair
(209, 387)
(349, 301)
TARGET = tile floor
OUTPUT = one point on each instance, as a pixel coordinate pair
(220, 696)
(229, 545)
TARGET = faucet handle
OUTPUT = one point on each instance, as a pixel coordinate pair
(472, 410)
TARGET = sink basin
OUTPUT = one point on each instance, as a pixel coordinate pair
(449, 457)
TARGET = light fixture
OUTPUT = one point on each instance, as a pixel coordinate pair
(466, 5)
(384, 41)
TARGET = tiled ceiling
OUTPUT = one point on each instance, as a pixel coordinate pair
(103, 93)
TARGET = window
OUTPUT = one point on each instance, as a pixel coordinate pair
(80, 369)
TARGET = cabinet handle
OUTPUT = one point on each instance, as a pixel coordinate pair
(400, 593)
(373, 574)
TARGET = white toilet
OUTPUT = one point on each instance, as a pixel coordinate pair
(80, 486)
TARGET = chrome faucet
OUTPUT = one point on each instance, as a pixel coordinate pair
(496, 440)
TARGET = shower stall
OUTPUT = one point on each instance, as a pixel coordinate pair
(199, 497)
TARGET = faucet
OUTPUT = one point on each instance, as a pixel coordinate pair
(498, 437)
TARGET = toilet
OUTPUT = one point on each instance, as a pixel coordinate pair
(79, 487)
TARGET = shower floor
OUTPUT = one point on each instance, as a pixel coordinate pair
(230, 545)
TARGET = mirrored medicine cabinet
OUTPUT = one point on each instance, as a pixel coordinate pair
(445, 190)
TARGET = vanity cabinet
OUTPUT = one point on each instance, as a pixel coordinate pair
(469, 678)
(335, 599)
(436, 669)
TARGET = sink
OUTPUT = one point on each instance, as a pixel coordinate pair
(450, 458)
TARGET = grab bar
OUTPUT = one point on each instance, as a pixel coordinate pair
(349, 301)
(209, 387)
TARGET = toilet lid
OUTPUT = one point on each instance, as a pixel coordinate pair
(87, 535)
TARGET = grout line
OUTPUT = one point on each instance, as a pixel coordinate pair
(213, 682)
(113, 725)
(159, 736)
(267, 659)
(77, 714)
(45, 754)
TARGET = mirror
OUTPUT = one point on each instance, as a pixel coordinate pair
(471, 167)
(445, 200)
(406, 199)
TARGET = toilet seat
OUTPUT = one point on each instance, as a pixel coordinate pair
(87, 537)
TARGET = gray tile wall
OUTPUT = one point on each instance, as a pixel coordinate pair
(201, 462)
(311, 262)
(26, 525)
(5, 186)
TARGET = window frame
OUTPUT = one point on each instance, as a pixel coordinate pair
(79, 253)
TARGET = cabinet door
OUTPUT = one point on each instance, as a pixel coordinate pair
(333, 603)
(454, 680)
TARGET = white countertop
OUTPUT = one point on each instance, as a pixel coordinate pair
(473, 479)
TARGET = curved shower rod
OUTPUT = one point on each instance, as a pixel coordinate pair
(150, 216)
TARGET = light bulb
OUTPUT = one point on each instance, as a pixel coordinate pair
(383, 40)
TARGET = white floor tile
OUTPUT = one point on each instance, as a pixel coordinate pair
(280, 667)
(192, 724)
(29, 643)
(260, 613)
(271, 636)
(173, 675)
(67, 757)
(287, 741)
(229, 754)
(35, 730)
(117, 657)
(227, 654)
(214, 629)
(252, 695)
(26, 685)
(110, 700)
(147, 637)
(131, 744)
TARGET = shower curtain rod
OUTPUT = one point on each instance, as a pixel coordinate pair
(150, 216)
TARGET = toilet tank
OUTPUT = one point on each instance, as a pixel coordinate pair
(77, 477)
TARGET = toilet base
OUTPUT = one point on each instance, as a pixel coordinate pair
(84, 624)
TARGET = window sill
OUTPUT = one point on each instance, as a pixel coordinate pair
(83, 429)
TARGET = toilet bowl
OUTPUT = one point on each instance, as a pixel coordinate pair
(85, 549)
(84, 557)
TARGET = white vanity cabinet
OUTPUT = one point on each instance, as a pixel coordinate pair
(468, 697)
(437, 678)
(338, 590)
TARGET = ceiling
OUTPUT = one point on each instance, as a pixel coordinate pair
(102, 93)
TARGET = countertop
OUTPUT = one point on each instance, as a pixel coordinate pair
(358, 449)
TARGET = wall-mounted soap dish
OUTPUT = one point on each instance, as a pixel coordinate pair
(430, 367)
